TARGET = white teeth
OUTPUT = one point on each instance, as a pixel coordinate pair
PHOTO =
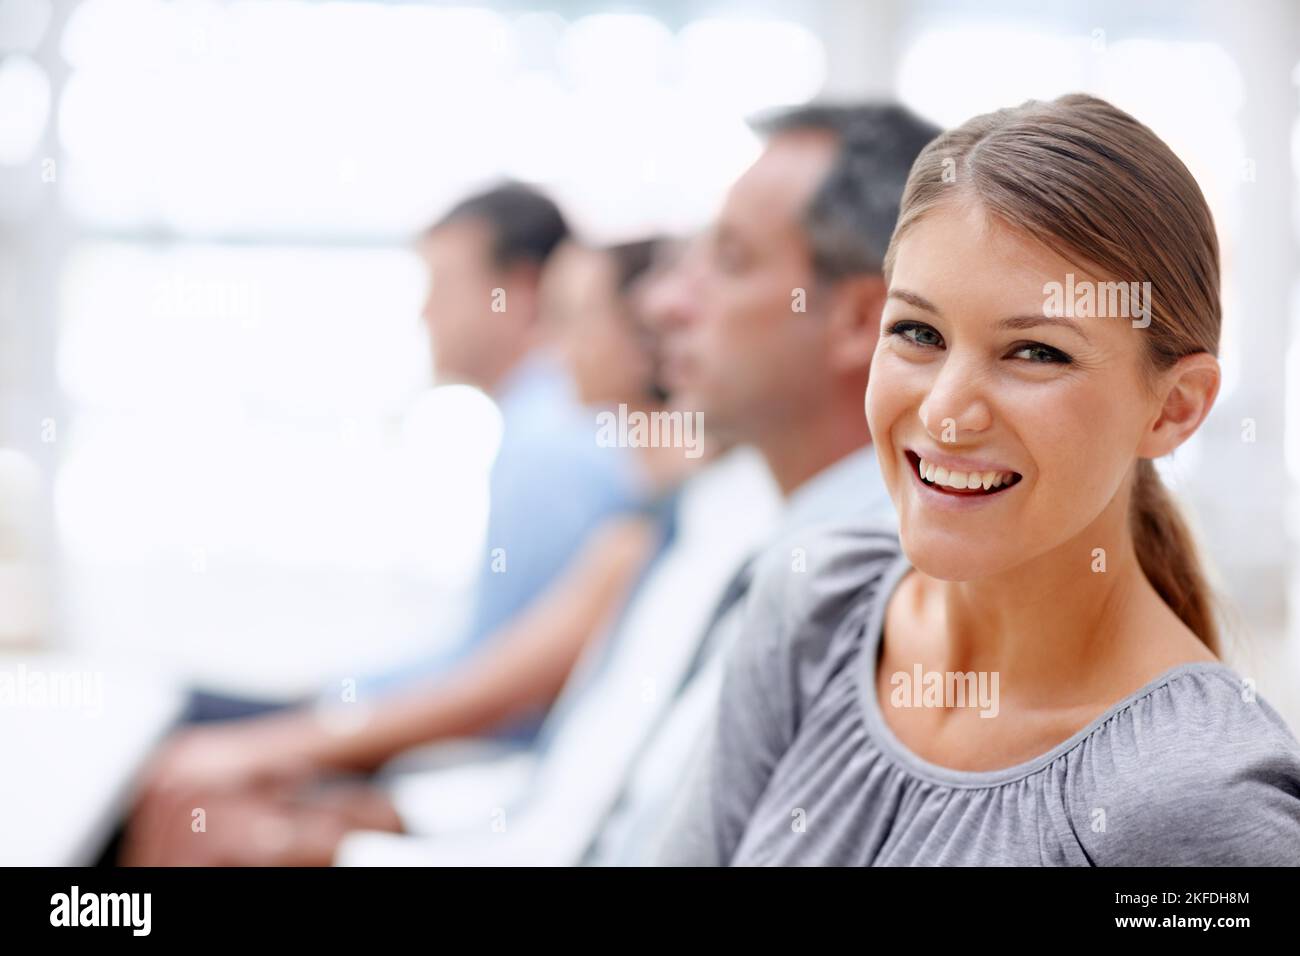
(961, 480)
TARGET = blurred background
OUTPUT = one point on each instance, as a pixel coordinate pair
(222, 449)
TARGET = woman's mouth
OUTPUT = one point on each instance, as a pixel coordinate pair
(964, 484)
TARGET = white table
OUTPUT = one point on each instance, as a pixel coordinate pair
(74, 730)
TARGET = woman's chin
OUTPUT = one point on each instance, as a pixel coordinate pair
(949, 557)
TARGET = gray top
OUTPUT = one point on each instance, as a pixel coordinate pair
(802, 769)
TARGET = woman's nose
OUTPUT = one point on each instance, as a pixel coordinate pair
(954, 407)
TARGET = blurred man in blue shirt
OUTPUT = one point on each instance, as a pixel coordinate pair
(550, 488)
(551, 485)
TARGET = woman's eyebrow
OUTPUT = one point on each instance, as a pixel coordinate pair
(1022, 322)
(1015, 322)
(911, 298)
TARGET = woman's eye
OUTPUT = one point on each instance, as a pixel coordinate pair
(917, 333)
(925, 336)
(1041, 354)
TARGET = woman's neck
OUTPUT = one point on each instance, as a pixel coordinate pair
(1071, 624)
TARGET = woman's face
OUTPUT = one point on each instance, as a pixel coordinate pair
(972, 377)
(596, 330)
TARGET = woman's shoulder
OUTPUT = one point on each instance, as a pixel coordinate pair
(1195, 768)
(810, 574)
(809, 596)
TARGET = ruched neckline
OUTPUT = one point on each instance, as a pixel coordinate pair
(895, 750)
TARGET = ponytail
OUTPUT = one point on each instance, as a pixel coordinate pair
(1167, 554)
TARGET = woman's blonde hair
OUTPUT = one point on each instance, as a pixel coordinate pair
(1096, 186)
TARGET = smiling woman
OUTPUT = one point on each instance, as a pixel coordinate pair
(1050, 190)
(1037, 550)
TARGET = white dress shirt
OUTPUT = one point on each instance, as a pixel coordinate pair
(633, 830)
(544, 809)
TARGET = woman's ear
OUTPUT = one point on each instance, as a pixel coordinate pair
(1187, 391)
(854, 321)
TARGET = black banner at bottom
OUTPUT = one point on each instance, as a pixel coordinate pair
(339, 906)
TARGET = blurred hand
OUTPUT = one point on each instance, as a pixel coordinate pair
(269, 825)
(204, 766)
(231, 756)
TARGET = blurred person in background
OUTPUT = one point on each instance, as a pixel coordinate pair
(596, 303)
(550, 485)
(588, 310)
(557, 499)
(775, 349)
